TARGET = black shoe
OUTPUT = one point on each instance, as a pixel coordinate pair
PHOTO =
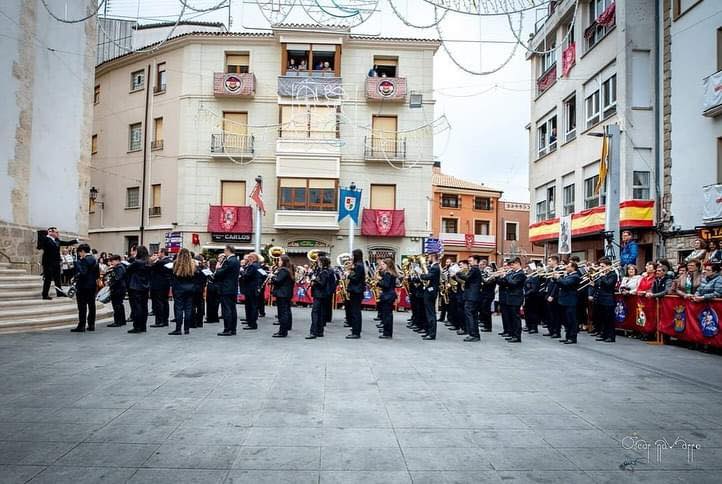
(91, 328)
(526, 330)
(114, 325)
(594, 333)
(346, 325)
(188, 331)
(533, 331)
(548, 334)
(175, 333)
(311, 336)
(461, 332)
(279, 335)
(377, 319)
(379, 326)
(226, 333)
(157, 325)
(250, 327)
(563, 340)
(485, 330)
(77, 330)
(508, 337)
(503, 334)
(47, 298)
(555, 336)
(609, 340)
(353, 336)
(429, 338)
(276, 323)
(570, 342)
(472, 338)
(384, 336)
(135, 331)
(513, 340)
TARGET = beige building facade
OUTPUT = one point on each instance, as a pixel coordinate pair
(191, 124)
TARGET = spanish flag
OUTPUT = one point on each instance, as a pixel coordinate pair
(603, 166)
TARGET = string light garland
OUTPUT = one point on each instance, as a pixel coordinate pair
(74, 21)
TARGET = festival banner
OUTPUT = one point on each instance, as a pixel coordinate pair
(694, 322)
(383, 223)
(349, 204)
(230, 219)
(636, 313)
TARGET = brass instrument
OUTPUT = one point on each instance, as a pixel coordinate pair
(313, 255)
(593, 275)
(345, 262)
(274, 253)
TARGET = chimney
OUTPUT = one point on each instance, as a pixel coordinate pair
(437, 167)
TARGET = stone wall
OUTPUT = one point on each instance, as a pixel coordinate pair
(674, 244)
(17, 246)
(666, 115)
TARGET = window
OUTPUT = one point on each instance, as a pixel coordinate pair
(137, 80)
(160, 78)
(481, 227)
(450, 225)
(511, 231)
(132, 197)
(96, 95)
(591, 199)
(386, 66)
(303, 122)
(313, 194)
(641, 185)
(570, 118)
(383, 197)
(548, 58)
(682, 6)
(91, 206)
(595, 32)
(155, 200)
(316, 60)
(383, 134)
(235, 123)
(237, 63)
(450, 201)
(94, 144)
(551, 202)
(592, 109)
(135, 137)
(157, 134)
(233, 193)
(482, 203)
(609, 96)
(568, 199)
(541, 210)
(547, 136)
(719, 49)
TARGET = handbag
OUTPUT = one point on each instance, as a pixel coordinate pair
(103, 295)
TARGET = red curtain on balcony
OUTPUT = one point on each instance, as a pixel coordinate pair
(569, 58)
(383, 223)
(230, 219)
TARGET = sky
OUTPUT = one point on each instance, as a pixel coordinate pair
(487, 141)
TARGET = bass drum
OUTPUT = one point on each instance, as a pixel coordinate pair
(103, 295)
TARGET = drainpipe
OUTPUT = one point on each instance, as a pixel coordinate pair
(659, 112)
(145, 156)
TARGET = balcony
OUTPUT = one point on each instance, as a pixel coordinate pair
(234, 85)
(154, 212)
(379, 148)
(712, 207)
(226, 144)
(712, 104)
(156, 144)
(386, 89)
(482, 242)
(306, 157)
(302, 219)
(547, 79)
(310, 84)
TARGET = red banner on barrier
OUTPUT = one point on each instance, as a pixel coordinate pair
(636, 313)
(696, 322)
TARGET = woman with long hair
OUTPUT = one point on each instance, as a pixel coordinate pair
(387, 283)
(282, 282)
(630, 281)
(183, 284)
(138, 276)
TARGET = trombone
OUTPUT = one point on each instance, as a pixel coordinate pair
(593, 275)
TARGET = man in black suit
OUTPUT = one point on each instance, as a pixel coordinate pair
(355, 288)
(51, 260)
(160, 277)
(225, 281)
(513, 298)
(568, 285)
(431, 291)
(472, 296)
(116, 280)
(251, 281)
(553, 314)
(86, 267)
(488, 288)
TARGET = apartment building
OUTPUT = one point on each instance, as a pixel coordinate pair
(186, 128)
(513, 233)
(464, 216)
(594, 65)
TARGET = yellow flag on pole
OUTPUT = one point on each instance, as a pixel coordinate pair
(603, 164)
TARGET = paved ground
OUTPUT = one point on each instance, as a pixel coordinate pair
(153, 408)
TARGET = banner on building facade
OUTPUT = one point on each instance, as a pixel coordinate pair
(565, 234)
(230, 219)
(712, 91)
(712, 209)
(383, 223)
(349, 204)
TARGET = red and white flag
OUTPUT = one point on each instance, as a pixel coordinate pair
(257, 197)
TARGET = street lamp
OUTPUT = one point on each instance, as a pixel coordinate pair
(93, 193)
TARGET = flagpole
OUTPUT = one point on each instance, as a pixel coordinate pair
(351, 225)
(259, 220)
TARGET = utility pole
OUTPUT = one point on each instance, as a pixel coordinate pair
(611, 223)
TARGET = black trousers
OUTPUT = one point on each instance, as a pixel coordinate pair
(347, 311)
(51, 274)
(569, 314)
(116, 300)
(485, 311)
(318, 313)
(229, 312)
(554, 318)
(511, 319)
(455, 312)
(386, 309)
(213, 300)
(283, 306)
(430, 310)
(262, 302)
(355, 312)
(139, 308)
(251, 305)
(532, 312)
(470, 310)
(183, 309)
(161, 308)
(444, 309)
(86, 307)
(199, 308)
(605, 315)
(582, 316)
(329, 309)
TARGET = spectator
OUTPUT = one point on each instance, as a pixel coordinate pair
(711, 285)
(68, 266)
(647, 280)
(631, 280)
(630, 249)
(373, 72)
(699, 252)
(662, 282)
(714, 251)
(689, 279)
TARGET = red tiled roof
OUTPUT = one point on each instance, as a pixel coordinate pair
(439, 179)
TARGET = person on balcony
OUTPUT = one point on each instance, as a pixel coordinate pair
(630, 249)
(373, 72)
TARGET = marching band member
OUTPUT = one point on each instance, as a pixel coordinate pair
(431, 292)
(251, 281)
(88, 273)
(533, 302)
(116, 279)
(387, 283)
(553, 315)
(455, 308)
(213, 297)
(355, 288)
(320, 285)
(603, 299)
(225, 281)
(282, 282)
(472, 297)
(488, 288)
(568, 285)
(513, 298)
(444, 305)
(418, 311)
(160, 277)
(184, 283)
(138, 276)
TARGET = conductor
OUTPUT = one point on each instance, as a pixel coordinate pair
(51, 260)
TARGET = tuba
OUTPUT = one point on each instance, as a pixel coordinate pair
(274, 253)
(312, 256)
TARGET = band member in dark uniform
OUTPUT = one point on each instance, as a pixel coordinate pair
(51, 260)
(513, 284)
(116, 279)
(472, 297)
(416, 298)
(225, 281)
(199, 303)
(160, 277)
(356, 286)
(283, 282)
(251, 281)
(444, 306)
(431, 292)
(88, 273)
(455, 307)
(320, 289)
(388, 277)
(603, 298)
(213, 297)
(553, 314)
(138, 276)
(184, 282)
(568, 285)
(262, 292)
(533, 302)
(488, 286)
